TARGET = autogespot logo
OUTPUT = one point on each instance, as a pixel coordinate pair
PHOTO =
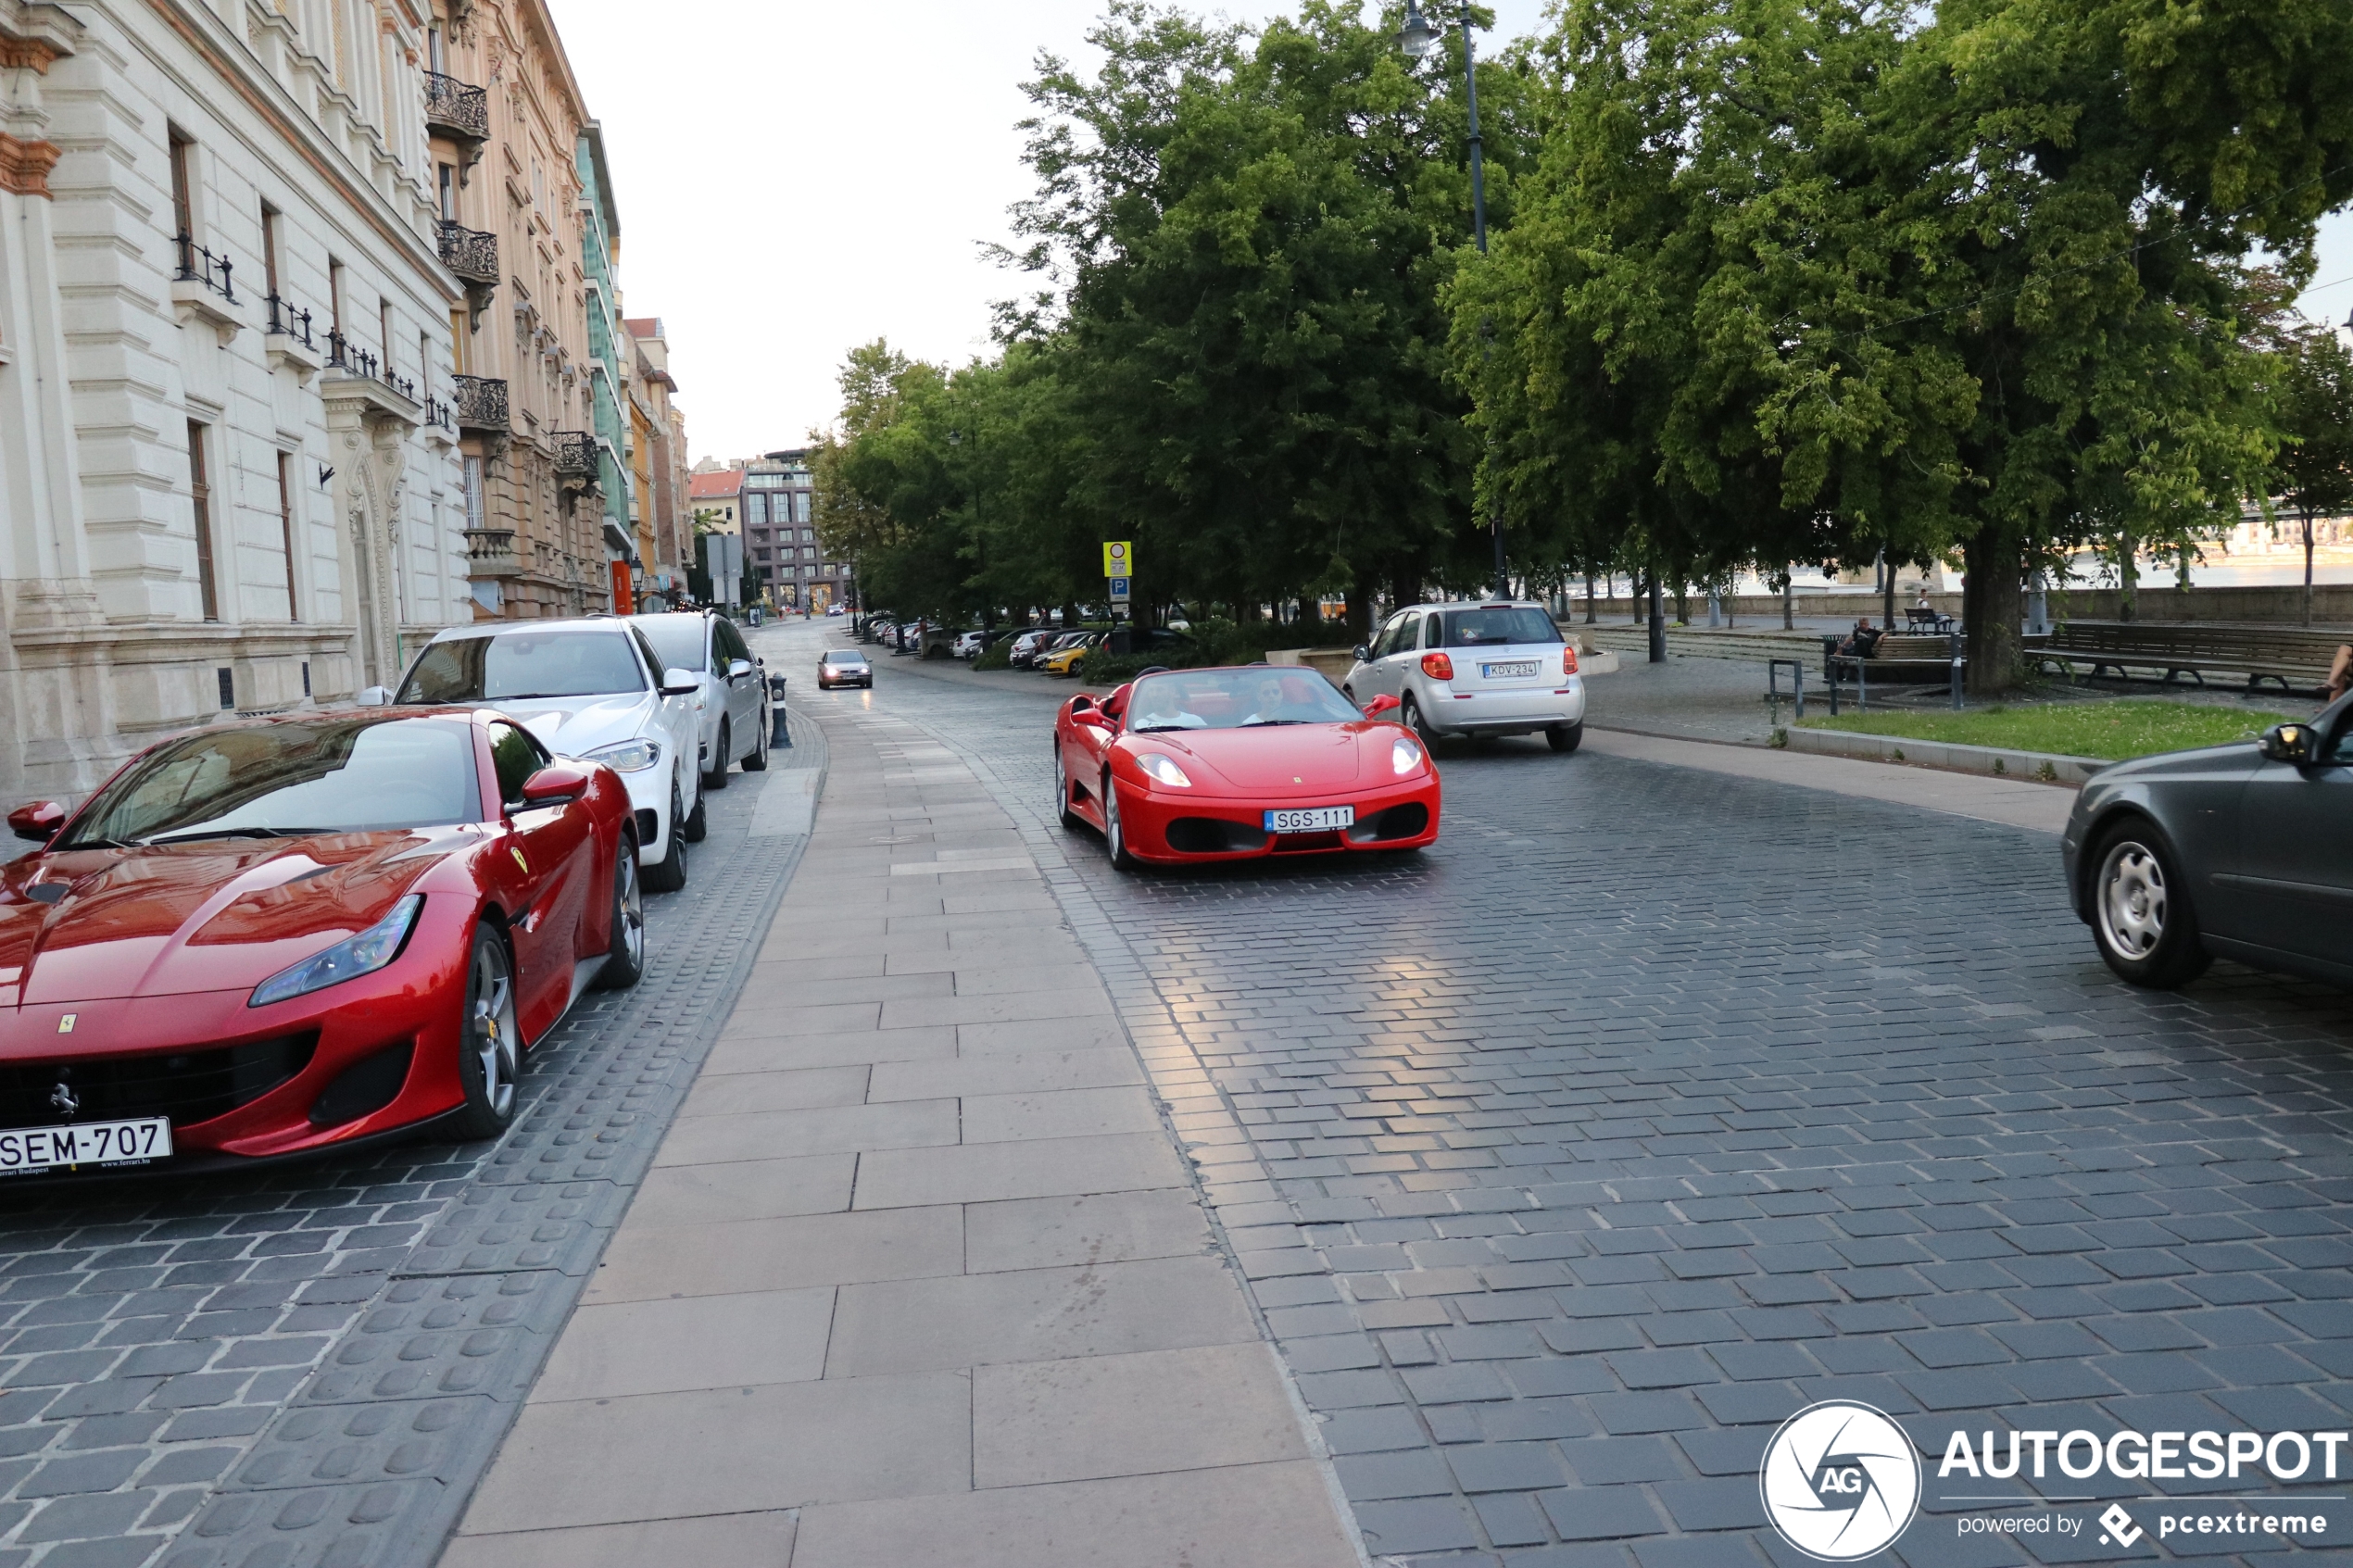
(1840, 1481)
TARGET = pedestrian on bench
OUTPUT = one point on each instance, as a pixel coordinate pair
(1864, 641)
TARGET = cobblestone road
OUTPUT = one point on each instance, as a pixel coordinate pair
(1650, 1106)
(311, 1366)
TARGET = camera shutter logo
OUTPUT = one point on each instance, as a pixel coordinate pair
(1840, 1481)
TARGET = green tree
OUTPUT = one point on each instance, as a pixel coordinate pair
(2315, 391)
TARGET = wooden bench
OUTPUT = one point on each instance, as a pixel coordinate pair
(1897, 657)
(2294, 658)
(1921, 617)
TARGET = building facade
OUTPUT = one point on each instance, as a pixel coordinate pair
(608, 367)
(505, 116)
(224, 361)
(657, 463)
(781, 536)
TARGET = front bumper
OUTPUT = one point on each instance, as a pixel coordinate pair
(1518, 711)
(364, 1027)
(649, 802)
(1174, 827)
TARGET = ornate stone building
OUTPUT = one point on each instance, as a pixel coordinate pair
(231, 482)
(663, 530)
(506, 117)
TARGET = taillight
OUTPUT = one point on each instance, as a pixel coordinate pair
(1569, 660)
(1438, 667)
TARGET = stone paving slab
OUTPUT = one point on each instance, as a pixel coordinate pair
(1570, 1157)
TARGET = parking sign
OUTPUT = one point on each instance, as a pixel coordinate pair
(1118, 589)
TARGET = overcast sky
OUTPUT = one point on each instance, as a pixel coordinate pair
(798, 178)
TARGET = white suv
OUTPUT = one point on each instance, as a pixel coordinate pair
(731, 706)
(1500, 668)
(594, 689)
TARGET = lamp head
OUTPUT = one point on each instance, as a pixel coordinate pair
(955, 438)
(1419, 39)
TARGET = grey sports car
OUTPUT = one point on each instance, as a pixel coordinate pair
(2243, 851)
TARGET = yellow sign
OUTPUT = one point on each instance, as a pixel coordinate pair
(1119, 558)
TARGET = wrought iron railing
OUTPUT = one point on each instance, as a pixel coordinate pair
(201, 265)
(285, 320)
(404, 385)
(438, 414)
(472, 254)
(575, 454)
(452, 105)
(347, 355)
(481, 402)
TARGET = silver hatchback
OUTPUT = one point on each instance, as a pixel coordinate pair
(1500, 668)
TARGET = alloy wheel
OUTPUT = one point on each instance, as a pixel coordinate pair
(633, 906)
(490, 1027)
(2133, 899)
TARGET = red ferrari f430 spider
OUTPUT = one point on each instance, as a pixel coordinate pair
(1200, 765)
(269, 939)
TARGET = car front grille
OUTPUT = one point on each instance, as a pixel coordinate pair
(1213, 836)
(1407, 820)
(188, 1087)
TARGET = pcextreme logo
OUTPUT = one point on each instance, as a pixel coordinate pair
(1840, 1481)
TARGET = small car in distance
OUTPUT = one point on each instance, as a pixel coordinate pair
(1028, 645)
(732, 704)
(843, 667)
(1227, 764)
(1495, 669)
(2240, 851)
(273, 938)
(1063, 657)
(833, 610)
(969, 644)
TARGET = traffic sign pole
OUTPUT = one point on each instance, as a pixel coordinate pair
(1119, 573)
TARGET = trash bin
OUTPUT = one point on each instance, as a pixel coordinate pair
(778, 733)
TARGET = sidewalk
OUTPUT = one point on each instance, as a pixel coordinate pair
(919, 1276)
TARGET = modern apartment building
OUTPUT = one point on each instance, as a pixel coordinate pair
(781, 536)
(506, 117)
(224, 360)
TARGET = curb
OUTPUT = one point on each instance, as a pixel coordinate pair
(2043, 767)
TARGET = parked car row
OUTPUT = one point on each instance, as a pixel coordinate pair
(271, 938)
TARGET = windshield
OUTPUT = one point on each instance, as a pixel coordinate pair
(523, 664)
(1235, 699)
(292, 778)
(1493, 628)
(845, 656)
(678, 638)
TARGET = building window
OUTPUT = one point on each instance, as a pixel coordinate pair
(334, 295)
(207, 587)
(474, 493)
(269, 249)
(809, 552)
(183, 206)
(807, 534)
(448, 193)
(285, 524)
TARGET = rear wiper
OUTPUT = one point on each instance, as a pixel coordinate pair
(235, 832)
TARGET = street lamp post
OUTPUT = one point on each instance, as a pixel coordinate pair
(1421, 39)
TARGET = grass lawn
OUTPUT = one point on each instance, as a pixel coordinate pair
(2110, 731)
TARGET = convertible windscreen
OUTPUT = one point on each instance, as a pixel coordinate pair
(516, 665)
(1235, 699)
(298, 777)
(1495, 628)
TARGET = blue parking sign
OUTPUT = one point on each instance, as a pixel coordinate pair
(1119, 587)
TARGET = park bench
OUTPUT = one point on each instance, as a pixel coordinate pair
(1898, 655)
(1921, 617)
(2292, 658)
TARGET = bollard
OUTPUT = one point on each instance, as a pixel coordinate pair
(779, 733)
(1957, 671)
(1797, 683)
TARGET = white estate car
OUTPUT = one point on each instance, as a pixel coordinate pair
(732, 705)
(1500, 668)
(594, 689)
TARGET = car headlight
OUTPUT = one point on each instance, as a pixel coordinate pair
(1404, 755)
(348, 959)
(628, 756)
(1163, 769)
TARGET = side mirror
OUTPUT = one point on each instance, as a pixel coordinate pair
(555, 784)
(738, 669)
(2297, 744)
(40, 823)
(374, 697)
(680, 682)
(1381, 705)
(1361, 654)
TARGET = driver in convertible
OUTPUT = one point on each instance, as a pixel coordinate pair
(1285, 699)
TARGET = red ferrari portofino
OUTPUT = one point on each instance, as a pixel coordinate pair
(267, 939)
(1196, 765)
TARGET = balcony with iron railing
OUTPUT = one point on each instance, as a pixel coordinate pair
(576, 455)
(200, 264)
(472, 254)
(456, 109)
(481, 404)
